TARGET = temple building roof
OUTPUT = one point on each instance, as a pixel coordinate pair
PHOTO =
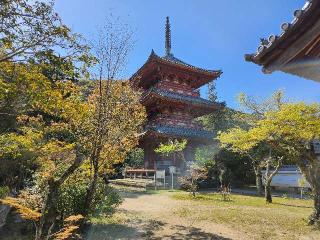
(296, 49)
(179, 132)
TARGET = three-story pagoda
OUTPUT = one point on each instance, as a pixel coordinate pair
(172, 99)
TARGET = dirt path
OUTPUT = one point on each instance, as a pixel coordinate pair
(155, 216)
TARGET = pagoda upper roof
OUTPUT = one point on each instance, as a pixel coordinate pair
(298, 41)
(179, 132)
(154, 61)
(173, 60)
(155, 93)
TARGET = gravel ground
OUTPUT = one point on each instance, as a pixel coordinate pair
(154, 216)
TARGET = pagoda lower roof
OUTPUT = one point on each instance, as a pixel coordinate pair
(154, 61)
(179, 132)
(177, 97)
(298, 42)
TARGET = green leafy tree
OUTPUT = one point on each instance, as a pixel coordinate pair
(117, 112)
(291, 130)
(173, 148)
(135, 158)
(51, 128)
(260, 151)
(217, 159)
(294, 128)
(116, 121)
(39, 116)
(29, 27)
(56, 67)
(41, 120)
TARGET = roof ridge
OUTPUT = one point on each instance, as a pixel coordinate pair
(286, 28)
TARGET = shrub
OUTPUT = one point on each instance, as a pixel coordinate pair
(4, 191)
(186, 184)
(72, 197)
(110, 200)
(73, 194)
(190, 183)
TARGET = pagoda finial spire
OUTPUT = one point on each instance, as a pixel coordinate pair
(168, 38)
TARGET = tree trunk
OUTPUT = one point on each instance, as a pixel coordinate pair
(259, 183)
(314, 180)
(49, 212)
(91, 189)
(269, 176)
(315, 217)
(267, 192)
(90, 194)
(258, 175)
(309, 165)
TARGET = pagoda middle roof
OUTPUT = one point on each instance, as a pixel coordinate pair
(170, 60)
(179, 97)
(182, 132)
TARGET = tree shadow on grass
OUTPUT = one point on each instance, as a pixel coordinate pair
(193, 233)
(110, 232)
(291, 205)
(179, 232)
(149, 230)
(134, 193)
(133, 229)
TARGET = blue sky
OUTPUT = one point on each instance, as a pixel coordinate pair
(210, 34)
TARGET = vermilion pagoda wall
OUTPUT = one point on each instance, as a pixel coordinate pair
(175, 119)
(177, 87)
(155, 161)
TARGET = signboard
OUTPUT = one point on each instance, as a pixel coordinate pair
(161, 174)
(172, 169)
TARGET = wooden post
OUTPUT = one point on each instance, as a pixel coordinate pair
(171, 180)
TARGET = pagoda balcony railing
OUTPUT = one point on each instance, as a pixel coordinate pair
(139, 173)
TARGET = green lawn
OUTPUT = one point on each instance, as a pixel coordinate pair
(284, 219)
